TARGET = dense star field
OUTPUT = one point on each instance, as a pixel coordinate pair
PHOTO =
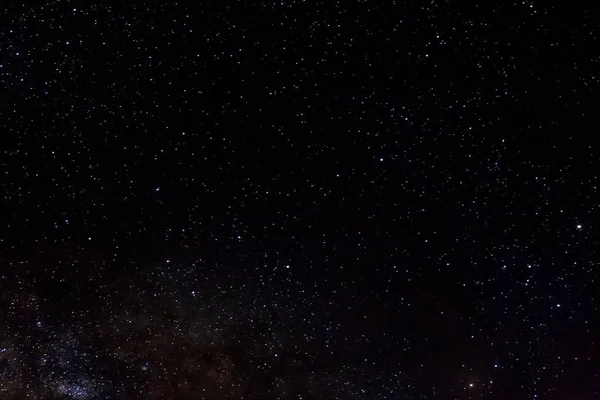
(299, 200)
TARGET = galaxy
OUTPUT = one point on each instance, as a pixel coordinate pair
(277, 200)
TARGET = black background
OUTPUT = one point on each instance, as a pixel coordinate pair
(398, 199)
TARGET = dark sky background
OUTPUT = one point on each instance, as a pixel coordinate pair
(299, 200)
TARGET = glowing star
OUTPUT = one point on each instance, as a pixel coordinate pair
(579, 226)
(471, 385)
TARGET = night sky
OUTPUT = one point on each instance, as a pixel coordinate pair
(299, 200)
